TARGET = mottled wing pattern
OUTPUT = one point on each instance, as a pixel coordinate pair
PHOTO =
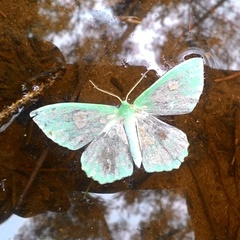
(108, 158)
(73, 125)
(164, 147)
(176, 92)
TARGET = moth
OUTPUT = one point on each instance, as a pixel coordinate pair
(130, 134)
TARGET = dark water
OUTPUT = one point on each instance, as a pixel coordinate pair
(49, 50)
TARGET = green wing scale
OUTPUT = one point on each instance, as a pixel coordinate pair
(176, 92)
(73, 125)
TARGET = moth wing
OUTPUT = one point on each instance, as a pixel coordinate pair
(176, 92)
(73, 125)
(164, 147)
(108, 157)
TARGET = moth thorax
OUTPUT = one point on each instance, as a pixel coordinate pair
(126, 110)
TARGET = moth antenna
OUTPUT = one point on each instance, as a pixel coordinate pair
(136, 84)
(104, 91)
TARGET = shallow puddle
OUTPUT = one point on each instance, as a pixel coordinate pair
(49, 50)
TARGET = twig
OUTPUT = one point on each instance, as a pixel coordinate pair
(227, 78)
(237, 137)
(3, 14)
(31, 179)
(129, 19)
(27, 97)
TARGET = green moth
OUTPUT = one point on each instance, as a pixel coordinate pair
(121, 136)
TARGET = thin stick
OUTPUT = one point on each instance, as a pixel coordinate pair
(31, 179)
(227, 78)
(87, 191)
(3, 14)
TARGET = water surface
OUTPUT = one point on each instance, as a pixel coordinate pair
(49, 50)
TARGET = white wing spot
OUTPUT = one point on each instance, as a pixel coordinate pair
(65, 117)
(80, 119)
(103, 121)
(173, 85)
(148, 140)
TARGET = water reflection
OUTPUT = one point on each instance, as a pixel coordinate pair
(97, 36)
(124, 215)
(163, 32)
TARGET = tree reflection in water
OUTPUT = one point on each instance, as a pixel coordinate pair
(124, 215)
